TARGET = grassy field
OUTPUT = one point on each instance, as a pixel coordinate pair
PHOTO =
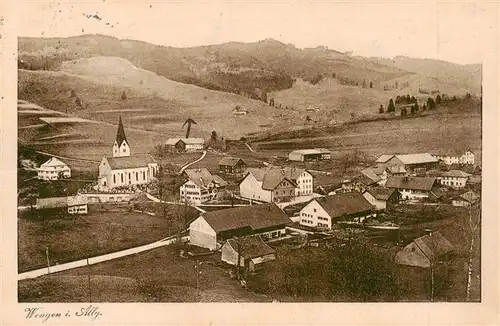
(447, 128)
(158, 275)
(86, 236)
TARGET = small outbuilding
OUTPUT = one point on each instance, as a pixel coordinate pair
(302, 155)
(253, 252)
(426, 250)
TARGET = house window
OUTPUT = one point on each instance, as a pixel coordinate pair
(137, 176)
(314, 210)
(121, 174)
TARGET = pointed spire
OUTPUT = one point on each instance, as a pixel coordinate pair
(120, 135)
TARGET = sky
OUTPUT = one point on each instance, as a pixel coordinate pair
(459, 32)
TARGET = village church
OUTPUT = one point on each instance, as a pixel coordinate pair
(123, 168)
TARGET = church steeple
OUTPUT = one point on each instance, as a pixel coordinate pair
(121, 146)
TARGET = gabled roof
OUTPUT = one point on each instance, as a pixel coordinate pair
(434, 245)
(384, 158)
(347, 203)
(193, 141)
(52, 162)
(255, 216)
(172, 141)
(395, 169)
(251, 246)
(381, 193)
(379, 169)
(456, 174)
(413, 183)
(369, 173)
(53, 202)
(469, 196)
(416, 158)
(272, 177)
(132, 161)
(230, 161)
(120, 134)
(202, 178)
(365, 180)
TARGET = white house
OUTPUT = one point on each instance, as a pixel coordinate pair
(466, 199)
(123, 168)
(185, 144)
(455, 178)
(379, 197)
(457, 158)
(415, 188)
(201, 186)
(326, 211)
(212, 229)
(276, 185)
(253, 252)
(53, 169)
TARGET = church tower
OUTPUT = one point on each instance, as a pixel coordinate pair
(121, 147)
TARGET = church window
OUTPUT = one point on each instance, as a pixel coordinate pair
(114, 178)
(137, 176)
(121, 174)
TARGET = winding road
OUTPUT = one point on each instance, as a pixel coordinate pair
(191, 163)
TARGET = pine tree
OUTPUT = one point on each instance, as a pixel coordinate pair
(124, 96)
(430, 103)
(424, 107)
(398, 99)
(413, 110)
(371, 84)
(78, 102)
(213, 137)
(413, 99)
(381, 109)
(391, 107)
(73, 94)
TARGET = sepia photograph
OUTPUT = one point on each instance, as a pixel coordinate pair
(249, 152)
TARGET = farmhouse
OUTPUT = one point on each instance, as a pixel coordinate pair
(455, 178)
(466, 199)
(232, 166)
(53, 169)
(424, 251)
(326, 211)
(410, 162)
(185, 144)
(73, 205)
(212, 229)
(123, 168)
(253, 252)
(201, 186)
(412, 188)
(381, 197)
(456, 157)
(276, 184)
(302, 155)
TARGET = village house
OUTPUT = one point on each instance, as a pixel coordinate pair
(212, 229)
(377, 175)
(415, 188)
(411, 162)
(466, 199)
(303, 155)
(233, 166)
(455, 179)
(426, 250)
(201, 186)
(123, 168)
(276, 184)
(325, 184)
(381, 198)
(59, 205)
(456, 157)
(253, 252)
(185, 144)
(325, 211)
(53, 169)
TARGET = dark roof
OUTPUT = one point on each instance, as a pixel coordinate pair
(347, 203)
(53, 202)
(202, 177)
(120, 134)
(467, 168)
(434, 245)
(255, 216)
(437, 192)
(469, 196)
(368, 172)
(414, 183)
(132, 161)
(251, 246)
(322, 179)
(230, 161)
(364, 179)
(456, 174)
(381, 193)
(384, 158)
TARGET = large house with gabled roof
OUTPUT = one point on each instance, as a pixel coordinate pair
(124, 168)
(201, 186)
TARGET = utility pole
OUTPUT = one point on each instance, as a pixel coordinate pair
(197, 268)
(48, 262)
(88, 279)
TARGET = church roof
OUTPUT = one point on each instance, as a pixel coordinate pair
(130, 162)
(120, 134)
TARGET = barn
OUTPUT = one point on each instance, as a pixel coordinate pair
(302, 155)
(253, 252)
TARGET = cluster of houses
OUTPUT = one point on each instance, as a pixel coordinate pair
(245, 231)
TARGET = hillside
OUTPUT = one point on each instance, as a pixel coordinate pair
(153, 103)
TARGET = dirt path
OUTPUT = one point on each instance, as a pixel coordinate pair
(191, 163)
